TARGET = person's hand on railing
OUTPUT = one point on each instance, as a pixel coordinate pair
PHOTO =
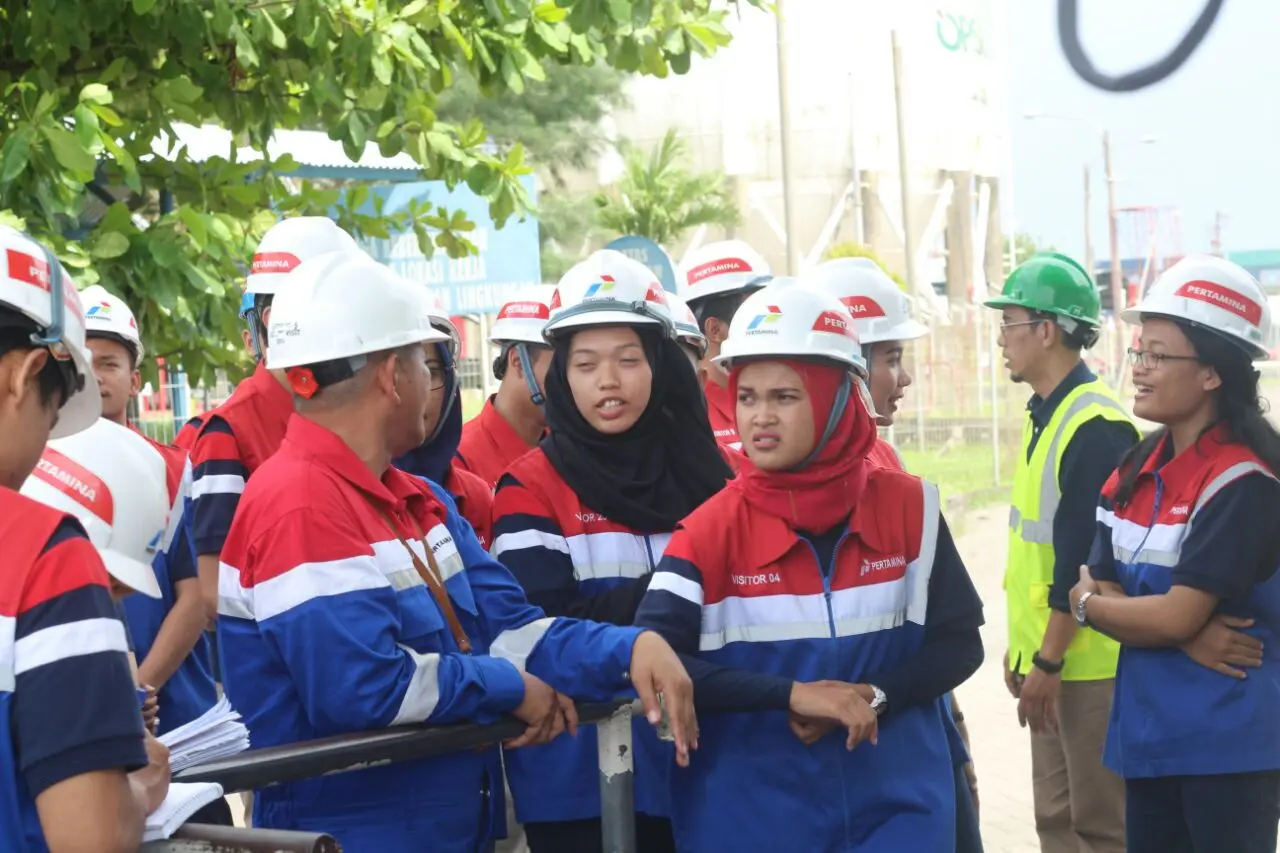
(542, 712)
(656, 671)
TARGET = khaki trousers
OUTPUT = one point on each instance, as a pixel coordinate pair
(1079, 803)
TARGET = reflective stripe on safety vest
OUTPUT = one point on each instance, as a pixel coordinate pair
(1029, 573)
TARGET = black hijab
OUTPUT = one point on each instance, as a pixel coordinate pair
(657, 472)
(433, 458)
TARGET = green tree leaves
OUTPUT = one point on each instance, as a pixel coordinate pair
(661, 198)
(89, 91)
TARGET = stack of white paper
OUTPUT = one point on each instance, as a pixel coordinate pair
(183, 800)
(217, 734)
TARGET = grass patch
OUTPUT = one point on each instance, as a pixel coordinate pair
(964, 473)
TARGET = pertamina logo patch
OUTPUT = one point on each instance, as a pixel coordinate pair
(524, 311)
(101, 311)
(1212, 293)
(711, 269)
(274, 262)
(763, 324)
(603, 287)
(35, 271)
(76, 482)
(862, 307)
(833, 323)
(882, 569)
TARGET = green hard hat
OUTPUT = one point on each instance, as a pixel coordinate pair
(1052, 283)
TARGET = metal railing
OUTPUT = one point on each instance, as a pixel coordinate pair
(264, 768)
(195, 838)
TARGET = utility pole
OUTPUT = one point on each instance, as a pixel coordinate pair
(908, 236)
(1113, 232)
(855, 178)
(1215, 242)
(904, 177)
(1088, 236)
(784, 131)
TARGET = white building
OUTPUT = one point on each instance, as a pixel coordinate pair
(842, 112)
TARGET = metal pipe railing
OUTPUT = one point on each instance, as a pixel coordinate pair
(198, 838)
(263, 768)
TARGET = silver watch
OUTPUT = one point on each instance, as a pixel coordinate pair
(879, 701)
(1081, 618)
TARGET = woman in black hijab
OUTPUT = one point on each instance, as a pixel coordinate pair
(582, 520)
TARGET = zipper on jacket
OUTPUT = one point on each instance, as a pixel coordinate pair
(826, 580)
(648, 548)
(1155, 513)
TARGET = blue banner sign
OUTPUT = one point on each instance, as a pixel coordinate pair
(650, 254)
(508, 260)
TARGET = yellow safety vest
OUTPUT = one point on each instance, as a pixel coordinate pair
(1029, 573)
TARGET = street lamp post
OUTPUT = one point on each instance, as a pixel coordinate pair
(1113, 227)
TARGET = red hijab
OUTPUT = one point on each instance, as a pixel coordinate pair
(823, 493)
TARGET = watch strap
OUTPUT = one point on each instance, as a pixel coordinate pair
(1046, 665)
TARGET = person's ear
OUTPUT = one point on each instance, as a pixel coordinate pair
(717, 330)
(135, 383)
(387, 375)
(514, 362)
(1210, 380)
(24, 375)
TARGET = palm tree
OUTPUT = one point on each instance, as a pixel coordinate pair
(659, 197)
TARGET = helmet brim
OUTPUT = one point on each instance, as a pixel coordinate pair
(139, 577)
(586, 319)
(83, 408)
(1134, 317)
(907, 330)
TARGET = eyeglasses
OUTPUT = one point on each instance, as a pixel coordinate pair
(1004, 326)
(439, 375)
(1152, 360)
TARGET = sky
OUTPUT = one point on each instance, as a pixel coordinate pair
(1215, 124)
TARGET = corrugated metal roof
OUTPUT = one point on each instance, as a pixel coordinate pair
(307, 147)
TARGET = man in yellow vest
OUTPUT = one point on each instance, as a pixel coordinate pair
(1075, 433)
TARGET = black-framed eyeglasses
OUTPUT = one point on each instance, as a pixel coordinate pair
(1152, 360)
(439, 375)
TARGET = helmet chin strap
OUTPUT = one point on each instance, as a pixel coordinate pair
(837, 411)
(530, 381)
(255, 333)
(881, 420)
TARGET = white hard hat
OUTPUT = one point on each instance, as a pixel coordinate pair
(881, 311)
(114, 483)
(27, 286)
(346, 304)
(686, 324)
(106, 315)
(799, 321)
(521, 320)
(720, 268)
(288, 244)
(607, 289)
(1213, 293)
(442, 322)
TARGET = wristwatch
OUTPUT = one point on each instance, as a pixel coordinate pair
(1081, 617)
(879, 701)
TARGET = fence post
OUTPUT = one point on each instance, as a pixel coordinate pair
(617, 782)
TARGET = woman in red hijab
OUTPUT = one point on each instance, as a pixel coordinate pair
(832, 588)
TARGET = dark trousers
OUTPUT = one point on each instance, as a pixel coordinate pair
(968, 835)
(217, 813)
(1236, 812)
(653, 835)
